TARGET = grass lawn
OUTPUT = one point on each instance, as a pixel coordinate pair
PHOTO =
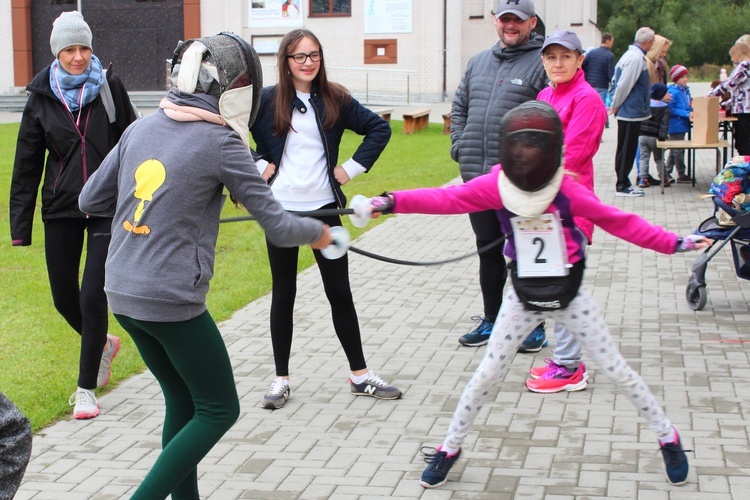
(39, 351)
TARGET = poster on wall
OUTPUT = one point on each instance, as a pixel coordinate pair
(388, 16)
(275, 13)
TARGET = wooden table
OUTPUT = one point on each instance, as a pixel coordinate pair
(725, 126)
(691, 147)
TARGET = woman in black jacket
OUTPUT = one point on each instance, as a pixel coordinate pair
(67, 120)
(297, 132)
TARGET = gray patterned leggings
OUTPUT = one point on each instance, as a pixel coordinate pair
(583, 318)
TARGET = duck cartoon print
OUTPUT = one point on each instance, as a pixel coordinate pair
(149, 177)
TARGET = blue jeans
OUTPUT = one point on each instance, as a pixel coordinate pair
(603, 94)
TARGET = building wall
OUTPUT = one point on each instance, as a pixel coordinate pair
(6, 40)
(428, 69)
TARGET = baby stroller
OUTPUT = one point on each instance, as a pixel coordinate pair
(738, 236)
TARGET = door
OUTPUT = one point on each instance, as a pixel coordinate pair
(136, 36)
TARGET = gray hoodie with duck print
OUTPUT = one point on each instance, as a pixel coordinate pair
(164, 185)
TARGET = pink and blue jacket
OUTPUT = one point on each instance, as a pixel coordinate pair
(482, 193)
(583, 116)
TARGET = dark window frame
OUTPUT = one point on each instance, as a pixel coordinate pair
(330, 12)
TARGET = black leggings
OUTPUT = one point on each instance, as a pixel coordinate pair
(84, 307)
(742, 133)
(335, 274)
(627, 144)
(493, 271)
(191, 364)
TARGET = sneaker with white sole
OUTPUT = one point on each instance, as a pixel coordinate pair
(536, 340)
(480, 335)
(675, 462)
(436, 473)
(85, 403)
(629, 191)
(375, 387)
(105, 365)
(558, 378)
(277, 394)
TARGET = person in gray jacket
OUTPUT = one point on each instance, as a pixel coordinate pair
(164, 185)
(495, 81)
(630, 105)
(15, 446)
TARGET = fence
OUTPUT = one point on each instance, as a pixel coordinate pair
(367, 85)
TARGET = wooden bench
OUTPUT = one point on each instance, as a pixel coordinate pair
(447, 123)
(416, 120)
(385, 113)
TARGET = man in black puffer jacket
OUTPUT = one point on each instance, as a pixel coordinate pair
(495, 81)
(599, 67)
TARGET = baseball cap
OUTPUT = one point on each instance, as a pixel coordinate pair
(566, 38)
(521, 8)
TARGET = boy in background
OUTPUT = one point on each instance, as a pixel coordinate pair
(654, 129)
(680, 109)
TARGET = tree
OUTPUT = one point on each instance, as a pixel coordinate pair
(701, 32)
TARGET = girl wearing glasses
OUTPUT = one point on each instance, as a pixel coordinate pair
(297, 133)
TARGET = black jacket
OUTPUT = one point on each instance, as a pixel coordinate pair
(355, 117)
(599, 67)
(47, 128)
(658, 125)
(495, 81)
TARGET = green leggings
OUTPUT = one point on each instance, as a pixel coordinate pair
(191, 364)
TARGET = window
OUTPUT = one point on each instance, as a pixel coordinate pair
(322, 8)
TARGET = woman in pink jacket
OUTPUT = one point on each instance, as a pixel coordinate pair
(536, 203)
(583, 116)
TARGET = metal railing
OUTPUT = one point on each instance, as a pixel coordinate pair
(368, 85)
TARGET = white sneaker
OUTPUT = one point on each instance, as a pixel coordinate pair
(105, 366)
(277, 394)
(85, 404)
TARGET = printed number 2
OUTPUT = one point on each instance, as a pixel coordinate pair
(539, 259)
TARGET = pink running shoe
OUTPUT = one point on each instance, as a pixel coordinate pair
(538, 371)
(557, 379)
(85, 403)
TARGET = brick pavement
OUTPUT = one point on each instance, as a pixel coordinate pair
(326, 443)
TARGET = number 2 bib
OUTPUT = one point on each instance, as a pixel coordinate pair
(540, 246)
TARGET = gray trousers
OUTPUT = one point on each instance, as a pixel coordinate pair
(676, 157)
(648, 147)
(584, 319)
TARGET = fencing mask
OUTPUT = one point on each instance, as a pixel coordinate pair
(227, 67)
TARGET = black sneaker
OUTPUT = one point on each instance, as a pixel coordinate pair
(630, 192)
(684, 179)
(535, 341)
(480, 335)
(375, 387)
(675, 462)
(436, 473)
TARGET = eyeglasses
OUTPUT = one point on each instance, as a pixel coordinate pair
(300, 57)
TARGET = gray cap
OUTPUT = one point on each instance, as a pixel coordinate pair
(566, 38)
(69, 29)
(524, 9)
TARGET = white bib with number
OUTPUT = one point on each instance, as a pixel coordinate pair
(540, 246)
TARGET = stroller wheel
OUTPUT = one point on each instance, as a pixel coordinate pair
(696, 297)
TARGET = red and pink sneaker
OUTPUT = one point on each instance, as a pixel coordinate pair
(556, 378)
